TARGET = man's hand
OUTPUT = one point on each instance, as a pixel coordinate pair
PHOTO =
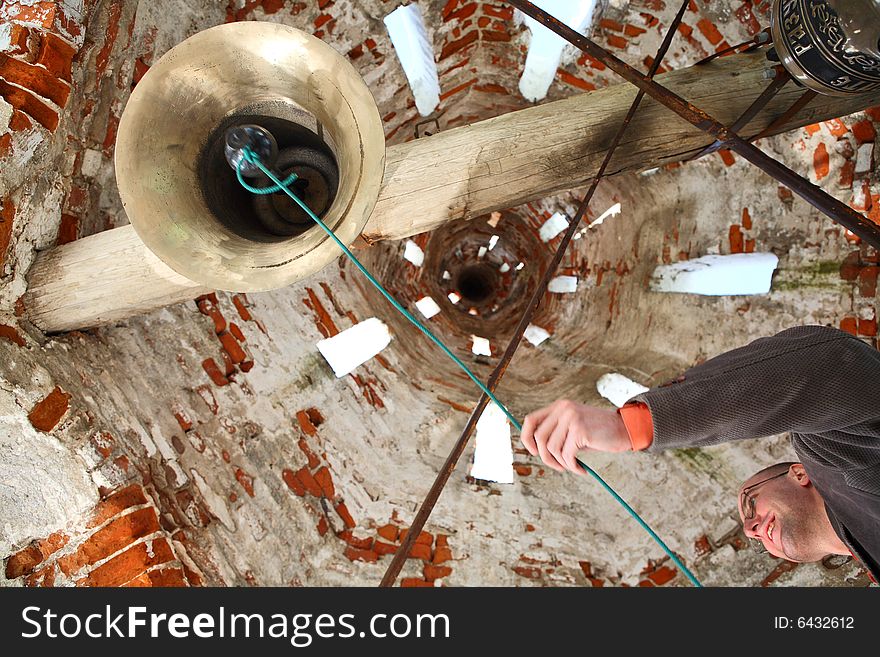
(559, 431)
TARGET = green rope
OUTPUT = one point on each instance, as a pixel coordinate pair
(274, 189)
(253, 158)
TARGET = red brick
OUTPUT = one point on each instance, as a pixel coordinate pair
(293, 483)
(25, 561)
(436, 572)
(868, 281)
(354, 554)
(127, 565)
(243, 312)
(868, 327)
(18, 40)
(160, 577)
(709, 31)
(388, 532)
(56, 55)
(308, 482)
(746, 219)
(236, 332)
(323, 526)
(34, 78)
(850, 325)
(420, 551)
(453, 47)
(864, 132)
(46, 415)
(116, 503)
(342, 510)
(726, 156)
(633, 31)
(325, 481)
(246, 481)
(736, 239)
(442, 555)
(610, 24)
(415, 582)
(360, 543)
(575, 81)
(522, 470)
(232, 347)
(305, 423)
(662, 575)
(528, 572)
(847, 174)
(617, 41)
(112, 538)
(381, 548)
(424, 538)
(12, 335)
(213, 371)
(837, 127)
(873, 112)
(820, 161)
(314, 461)
(208, 306)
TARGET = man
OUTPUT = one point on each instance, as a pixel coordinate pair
(820, 384)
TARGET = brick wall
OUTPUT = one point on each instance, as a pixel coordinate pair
(121, 544)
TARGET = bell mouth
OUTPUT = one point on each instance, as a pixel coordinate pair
(182, 197)
(304, 148)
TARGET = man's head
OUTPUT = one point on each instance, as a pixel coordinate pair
(781, 508)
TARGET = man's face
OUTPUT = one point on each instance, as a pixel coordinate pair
(785, 512)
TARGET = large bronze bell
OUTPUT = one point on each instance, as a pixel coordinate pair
(181, 195)
(829, 46)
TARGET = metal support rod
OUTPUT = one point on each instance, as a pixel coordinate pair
(796, 107)
(815, 196)
(458, 449)
(780, 80)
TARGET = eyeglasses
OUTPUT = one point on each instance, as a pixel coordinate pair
(747, 503)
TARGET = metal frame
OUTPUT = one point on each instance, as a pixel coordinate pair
(724, 138)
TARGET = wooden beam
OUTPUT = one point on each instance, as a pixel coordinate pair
(457, 174)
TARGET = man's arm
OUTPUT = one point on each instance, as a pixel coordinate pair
(808, 379)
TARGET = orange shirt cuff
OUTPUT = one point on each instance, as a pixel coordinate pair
(639, 424)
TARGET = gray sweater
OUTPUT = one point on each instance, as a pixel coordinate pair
(820, 384)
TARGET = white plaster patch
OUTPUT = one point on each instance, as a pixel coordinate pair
(413, 252)
(717, 275)
(493, 241)
(416, 54)
(446, 275)
(91, 163)
(43, 485)
(428, 307)
(535, 334)
(618, 389)
(520, 266)
(481, 346)
(482, 251)
(504, 268)
(354, 346)
(545, 49)
(454, 297)
(563, 284)
(613, 211)
(6, 109)
(493, 454)
(493, 219)
(864, 158)
(553, 226)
